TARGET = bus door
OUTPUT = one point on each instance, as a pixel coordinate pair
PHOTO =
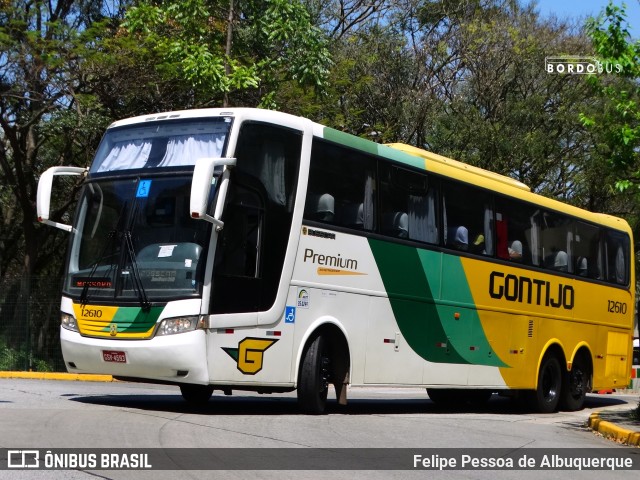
(249, 259)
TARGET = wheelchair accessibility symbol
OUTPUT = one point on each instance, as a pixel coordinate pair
(290, 315)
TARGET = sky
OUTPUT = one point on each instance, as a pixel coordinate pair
(584, 8)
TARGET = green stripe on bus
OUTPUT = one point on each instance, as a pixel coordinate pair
(364, 145)
(431, 329)
(412, 302)
(134, 320)
(349, 140)
(467, 331)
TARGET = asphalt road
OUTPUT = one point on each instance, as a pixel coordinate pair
(47, 414)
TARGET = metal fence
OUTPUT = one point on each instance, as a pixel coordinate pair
(30, 324)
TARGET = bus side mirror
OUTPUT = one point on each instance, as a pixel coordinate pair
(201, 186)
(43, 199)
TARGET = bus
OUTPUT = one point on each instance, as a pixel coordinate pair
(252, 250)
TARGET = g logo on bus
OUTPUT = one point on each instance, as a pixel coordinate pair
(113, 329)
(250, 354)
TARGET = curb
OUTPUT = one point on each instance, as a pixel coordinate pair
(610, 430)
(82, 377)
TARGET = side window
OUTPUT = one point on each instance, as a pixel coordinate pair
(341, 188)
(238, 252)
(555, 240)
(587, 254)
(408, 204)
(517, 236)
(270, 155)
(467, 217)
(617, 255)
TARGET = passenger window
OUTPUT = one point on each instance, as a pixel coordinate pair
(617, 251)
(341, 187)
(555, 241)
(587, 254)
(516, 231)
(408, 205)
(467, 218)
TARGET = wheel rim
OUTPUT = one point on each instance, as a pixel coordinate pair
(550, 384)
(576, 383)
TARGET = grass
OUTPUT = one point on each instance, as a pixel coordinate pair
(18, 360)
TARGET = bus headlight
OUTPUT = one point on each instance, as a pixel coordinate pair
(170, 326)
(68, 322)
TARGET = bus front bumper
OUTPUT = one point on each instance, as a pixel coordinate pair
(179, 358)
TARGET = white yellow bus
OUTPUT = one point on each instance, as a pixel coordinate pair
(246, 249)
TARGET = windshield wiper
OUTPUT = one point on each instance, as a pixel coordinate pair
(137, 280)
(84, 296)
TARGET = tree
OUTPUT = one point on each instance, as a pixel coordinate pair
(44, 121)
(231, 52)
(69, 67)
(503, 111)
(617, 123)
(379, 87)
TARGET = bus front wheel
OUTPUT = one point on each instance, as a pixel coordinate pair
(546, 397)
(196, 394)
(313, 379)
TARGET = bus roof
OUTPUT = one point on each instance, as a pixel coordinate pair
(434, 157)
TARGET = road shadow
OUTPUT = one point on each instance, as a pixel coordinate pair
(240, 404)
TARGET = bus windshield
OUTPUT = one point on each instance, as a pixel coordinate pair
(135, 241)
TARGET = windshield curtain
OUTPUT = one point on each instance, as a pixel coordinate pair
(161, 144)
(134, 239)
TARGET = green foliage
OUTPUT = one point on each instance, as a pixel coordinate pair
(12, 359)
(271, 42)
(617, 123)
(186, 44)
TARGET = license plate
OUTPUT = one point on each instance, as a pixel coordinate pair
(114, 356)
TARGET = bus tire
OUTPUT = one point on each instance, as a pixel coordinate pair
(576, 383)
(457, 398)
(196, 394)
(446, 397)
(478, 398)
(313, 379)
(546, 397)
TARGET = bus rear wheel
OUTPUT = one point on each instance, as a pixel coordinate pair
(196, 394)
(546, 397)
(313, 379)
(576, 384)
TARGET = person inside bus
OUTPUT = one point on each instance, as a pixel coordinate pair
(321, 207)
(515, 251)
(582, 266)
(396, 224)
(557, 260)
(478, 245)
(459, 238)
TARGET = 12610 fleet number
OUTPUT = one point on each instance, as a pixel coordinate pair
(617, 307)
